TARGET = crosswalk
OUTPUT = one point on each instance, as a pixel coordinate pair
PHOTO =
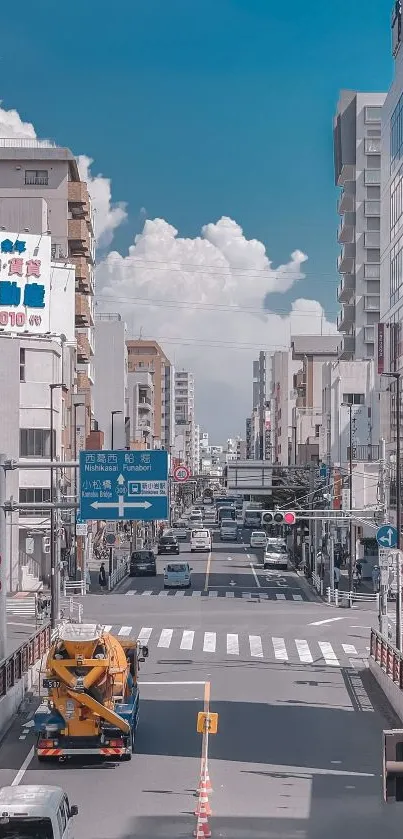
(255, 594)
(245, 645)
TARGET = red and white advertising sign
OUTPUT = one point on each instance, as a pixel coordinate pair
(181, 473)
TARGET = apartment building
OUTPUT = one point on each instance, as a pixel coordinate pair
(148, 357)
(111, 380)
(261, 404)
(311, 352)
(185, 418)
(34, 169)
(357, 163)
(282, 403)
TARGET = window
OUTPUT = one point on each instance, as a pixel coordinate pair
(372, 272)
(396, 271)
(372, 176)
(396, 134)
(372, 146)
(22, 365)
(34, 495)
(373, 113)
(36, 177)
(354, 398)
(396, 204)
(317, 430)
(35, 442)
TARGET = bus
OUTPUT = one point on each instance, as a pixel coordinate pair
(252, 519)
(226, 512)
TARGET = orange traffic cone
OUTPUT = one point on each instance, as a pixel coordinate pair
(205, 783)
(203, 807)
(199, 832)
(202, 830)
(209, 788)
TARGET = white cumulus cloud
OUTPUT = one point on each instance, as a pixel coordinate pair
(107, 217)
(202, 298)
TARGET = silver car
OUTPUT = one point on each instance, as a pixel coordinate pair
(277, 556)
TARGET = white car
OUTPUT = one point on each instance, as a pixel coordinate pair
(276, 555)
(177, 575)
(200, 540)
(258, 539)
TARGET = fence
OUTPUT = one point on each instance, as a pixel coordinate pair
(388, 657)
(72, 611)
(74, 587)
(13, 668)
(317, 583)
(347, 598)
(117, 576)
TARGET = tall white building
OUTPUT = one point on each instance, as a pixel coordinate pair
(260, 447)
(110, 386)
(357, 160)
(282, 402)
(184, 418)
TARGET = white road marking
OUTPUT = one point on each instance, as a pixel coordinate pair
(232, 644)
(349, 649)
(171, 683)
(328, 653)
(163, 593)
(187, 639)
(213, 594)
(107, 627)
(165, 638)
(304, 651)
(24, 766)
(210, 640)
(329, 620)
(230, 594)
(280, 651)
(297, 596)
(146, 593)
(144, 634)
(255, 643)
(254, 574)
(179, 594)
(131, 592)
(280, 596)
(196, 593)
(125, 630)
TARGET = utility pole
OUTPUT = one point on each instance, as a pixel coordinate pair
(396, 377)
(350, 486)
(383, 578)
(311, 523)
(3, 564)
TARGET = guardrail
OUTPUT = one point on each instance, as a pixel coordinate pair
(14, 667)
(72, 611)
(347, 598)
(117, 575)
(74, 587)
(388, 657)
(317, 583)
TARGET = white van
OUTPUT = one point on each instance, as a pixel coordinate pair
(200, 540)
(40, 812)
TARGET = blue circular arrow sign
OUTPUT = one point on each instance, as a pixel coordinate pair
(386, 536)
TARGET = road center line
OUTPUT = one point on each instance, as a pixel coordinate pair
(255, 575)
(207, 572)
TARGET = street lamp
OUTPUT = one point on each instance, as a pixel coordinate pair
(396, 377)
(54, 576)
(113, 415)
(349, 405)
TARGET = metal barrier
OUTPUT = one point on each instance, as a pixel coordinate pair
(74, 587)
(13, 668)
(317, 583)
(117, 575)
(72, 611)
(347, 598)
(388, 657)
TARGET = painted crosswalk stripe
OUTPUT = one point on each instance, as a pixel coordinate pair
(297, 597)
(213, 594)
(144, 634)
(303, 651)
(328, 653)
(131, 592)
(125, 630)
(230, 594)
(108, 627)
(255, 643)
(165, 638)
(187, 639)
(163, 593)
(280, 596)
(210, 640)
(179, 594)
(349, 649)
(196, 593)
(146, 593)
(280, 651)
(232, 644)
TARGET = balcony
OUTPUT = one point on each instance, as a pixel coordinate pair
(83, 311)
(372, 145)
(369, 334)
(79, 238)
(346, 348)
(346, 229)
(77, 193)
(347, 174)
(365, 454)
(58, 252)
(83, 275)
(346, 260)
(84, 352)
(372, 177)
(372, 239)
(83, 384)
(346, 203)
(345, 318)
(346, 289)
(372, 303)
(372, 208)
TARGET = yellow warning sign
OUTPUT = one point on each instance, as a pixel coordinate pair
(207, 722)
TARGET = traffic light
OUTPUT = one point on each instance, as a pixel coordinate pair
(393, 765)
(278, 517)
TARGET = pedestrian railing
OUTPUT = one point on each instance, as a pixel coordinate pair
(71, 611)
(347, 598)
(388, 657)
(74, 587)
(117, 576)
(317, 583)
(14, 667)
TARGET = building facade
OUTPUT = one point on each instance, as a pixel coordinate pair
(185, 418)
(357, 161)
(311, 352)
(110, 387)
(261, 398)
(148, 357)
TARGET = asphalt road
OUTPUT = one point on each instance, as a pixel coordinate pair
(298, 750)
(18, 631)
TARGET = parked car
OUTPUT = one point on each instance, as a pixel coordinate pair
(200, 540)
(276, 555)
(168, 544)
(142, 562)
(228, 530)
(258, 539)
(178, 575)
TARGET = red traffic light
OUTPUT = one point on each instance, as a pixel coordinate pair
(289, 518)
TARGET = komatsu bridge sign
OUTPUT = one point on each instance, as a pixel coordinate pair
(123, 485)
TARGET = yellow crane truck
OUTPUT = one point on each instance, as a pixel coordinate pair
(92, 702)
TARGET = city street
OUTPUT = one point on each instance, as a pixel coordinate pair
(298, 749)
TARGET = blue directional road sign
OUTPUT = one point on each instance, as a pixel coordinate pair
(123, 485)
(386, 536)
(323, 470)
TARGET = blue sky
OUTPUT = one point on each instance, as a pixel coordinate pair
(198, 110)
